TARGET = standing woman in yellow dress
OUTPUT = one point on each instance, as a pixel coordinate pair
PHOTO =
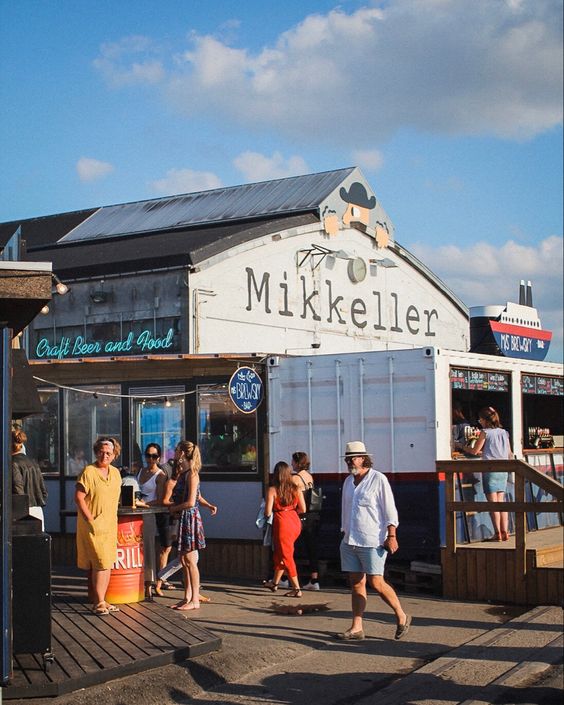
(97, 497)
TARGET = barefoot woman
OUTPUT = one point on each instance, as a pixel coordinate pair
(191, 537)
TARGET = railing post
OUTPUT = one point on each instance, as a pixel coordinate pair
(520, 542)
(450, 516)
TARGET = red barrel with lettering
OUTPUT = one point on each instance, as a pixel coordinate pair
(127, 581)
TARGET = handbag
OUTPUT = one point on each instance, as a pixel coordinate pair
(314, 499)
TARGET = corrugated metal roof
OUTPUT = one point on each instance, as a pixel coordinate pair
(291, 195)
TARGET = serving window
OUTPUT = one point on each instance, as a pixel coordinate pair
(474, 389)
(542, 411)
(90, 414)
(227, 437)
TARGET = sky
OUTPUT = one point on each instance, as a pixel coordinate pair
(451, 108)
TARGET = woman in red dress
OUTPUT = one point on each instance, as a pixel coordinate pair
(284, 501)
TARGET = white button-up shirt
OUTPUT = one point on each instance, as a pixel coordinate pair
(367, 510)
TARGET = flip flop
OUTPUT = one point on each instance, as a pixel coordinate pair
(178, 605)
(111, 608)
(100, 610)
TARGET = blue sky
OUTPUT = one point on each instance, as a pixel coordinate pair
(452, 109)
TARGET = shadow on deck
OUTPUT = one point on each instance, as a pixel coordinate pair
(89, 650)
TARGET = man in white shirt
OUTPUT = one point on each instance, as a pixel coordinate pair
(369, 521)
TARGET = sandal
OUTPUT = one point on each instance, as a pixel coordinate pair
(100, 610)
(111, 608)
(271, 586)
(165, 585)
(178, 605)
(296, 592)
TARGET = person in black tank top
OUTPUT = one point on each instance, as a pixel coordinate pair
(309, 537)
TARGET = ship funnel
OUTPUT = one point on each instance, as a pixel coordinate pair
(529, 296)
(522, 293)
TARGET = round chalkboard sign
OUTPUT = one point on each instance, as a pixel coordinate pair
(245, 390)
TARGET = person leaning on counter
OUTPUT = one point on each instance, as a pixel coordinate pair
(97, 496)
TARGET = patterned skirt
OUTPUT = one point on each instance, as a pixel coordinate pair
(191, 531)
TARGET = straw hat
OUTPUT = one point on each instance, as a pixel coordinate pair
(355, 448)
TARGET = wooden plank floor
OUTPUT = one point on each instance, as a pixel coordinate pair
(541, 539)
(90, 650)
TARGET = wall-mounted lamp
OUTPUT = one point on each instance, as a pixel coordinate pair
(387, 263)
(99, 297)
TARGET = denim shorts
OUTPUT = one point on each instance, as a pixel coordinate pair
(363, 559)
(494, 482)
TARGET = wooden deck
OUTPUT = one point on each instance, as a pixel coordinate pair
(486, 570)
(89, 650)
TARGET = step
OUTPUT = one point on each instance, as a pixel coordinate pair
(549, 555)
(504, 657)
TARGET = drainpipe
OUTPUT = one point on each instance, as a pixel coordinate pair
(361, 393)
(309, 412)
(392, 414)
(338, 384)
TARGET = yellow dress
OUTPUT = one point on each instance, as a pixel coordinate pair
(96, 542)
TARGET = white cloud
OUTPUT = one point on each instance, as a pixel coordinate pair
(444, 66)
(369, 159)
(116, 62)
(185, 181)
(92, 169)
(482, 274)
(258, 167)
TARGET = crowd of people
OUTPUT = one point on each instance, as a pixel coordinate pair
(369, 517)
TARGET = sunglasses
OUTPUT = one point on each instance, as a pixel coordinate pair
(154, 456)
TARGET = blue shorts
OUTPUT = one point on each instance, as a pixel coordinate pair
(363, 559)
(494, 482)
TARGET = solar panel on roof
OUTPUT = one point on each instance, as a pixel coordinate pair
(290, 195)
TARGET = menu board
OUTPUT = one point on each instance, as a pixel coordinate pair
(479, 380)
(549, 386)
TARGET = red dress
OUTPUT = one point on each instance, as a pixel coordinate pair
(286, 528)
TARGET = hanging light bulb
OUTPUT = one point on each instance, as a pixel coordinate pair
(44, 310)
(167, 402)
(61, 287)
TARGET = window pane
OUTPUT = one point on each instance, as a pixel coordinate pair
(87, 418)
(157, 420)
(42, 431)
(227, 437)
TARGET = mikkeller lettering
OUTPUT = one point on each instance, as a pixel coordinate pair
(361, 313)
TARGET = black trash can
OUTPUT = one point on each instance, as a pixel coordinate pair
(31, 587)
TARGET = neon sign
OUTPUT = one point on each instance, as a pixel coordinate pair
(78, 346)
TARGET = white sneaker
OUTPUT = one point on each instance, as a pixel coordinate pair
(284, 584)
(311, 586)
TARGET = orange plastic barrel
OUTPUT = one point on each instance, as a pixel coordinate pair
(127, 580)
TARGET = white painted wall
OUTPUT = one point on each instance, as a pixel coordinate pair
(258, 299)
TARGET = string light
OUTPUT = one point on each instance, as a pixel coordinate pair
(220, 385)
(167, 402)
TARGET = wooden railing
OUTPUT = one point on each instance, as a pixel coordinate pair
(523, 472)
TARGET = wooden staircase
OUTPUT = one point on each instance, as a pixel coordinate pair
(529, 568)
